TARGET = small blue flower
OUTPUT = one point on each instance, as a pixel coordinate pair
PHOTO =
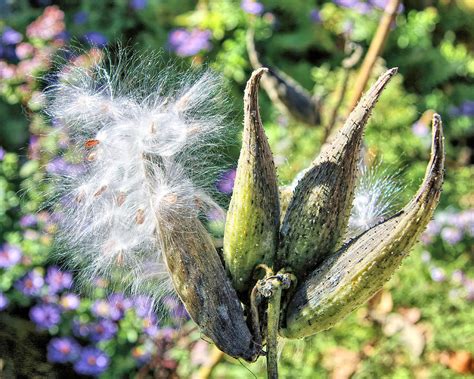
(69, 301)
(28, 221)
(58, 280)
(102, 330)
(188, 43)
(9, 255)
(225, 183)
(45, 315)
(80, 17)
(11, 36)
(252, 7)
(62, 350)
(437, 274)
(92, 361)
(96, 39)
(31, 284)
(138, 4)
(315, 16)
(3, 301)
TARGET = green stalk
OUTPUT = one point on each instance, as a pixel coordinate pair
(273, 319)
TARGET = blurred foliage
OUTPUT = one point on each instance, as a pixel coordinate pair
(432, 43)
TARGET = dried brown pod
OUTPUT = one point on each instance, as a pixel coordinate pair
(203, 286)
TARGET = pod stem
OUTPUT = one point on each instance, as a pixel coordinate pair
(273, 319)
(271, 287)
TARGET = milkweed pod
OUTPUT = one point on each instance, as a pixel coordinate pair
(358, 270)
(202, 284)
(252, 223)
(319, 211)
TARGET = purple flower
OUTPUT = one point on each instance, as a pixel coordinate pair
(92, 361)
(431, 231)
(225, 183)
(467, 220)
(252, 7)
(101, 308)
(96, 39)
(347, 3)
(80, 17)
(2, 153)
(420, 129)
(382, 4)
(167, 334)
(363, 8)
(150, 326)
(45, 315)
(138, 4)
(3, 301)
(9, 255)
(102, 330)
(315, 16)
(11, 36)
(216, 215)
(58, 280)
(34, 147)
(458, 276)
(437, 274)
(469, 285)
(79, 329)
(119, 304)
(143, 306)
(28, 220)
(465, 109)
(30, 284)
(451, 235)
(176, 308)
(69, 301)
(188, 43)
(62, 350)
(58, 166)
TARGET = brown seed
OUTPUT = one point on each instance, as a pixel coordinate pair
(140, 216)
(91, 156)
(119, 259)
(171, 198)
(80, 197)
(121, 198)
(90, 143)
(100, 191)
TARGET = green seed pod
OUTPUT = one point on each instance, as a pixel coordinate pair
(319, 211)
(202, 284)
(358, 270)
(288, 95)
(252, 223)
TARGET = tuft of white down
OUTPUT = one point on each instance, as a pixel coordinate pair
(147, 142)
(376, 197)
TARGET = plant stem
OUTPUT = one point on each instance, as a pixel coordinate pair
(206, 370)
(347, 64)
(273, 319)
(374, 51)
